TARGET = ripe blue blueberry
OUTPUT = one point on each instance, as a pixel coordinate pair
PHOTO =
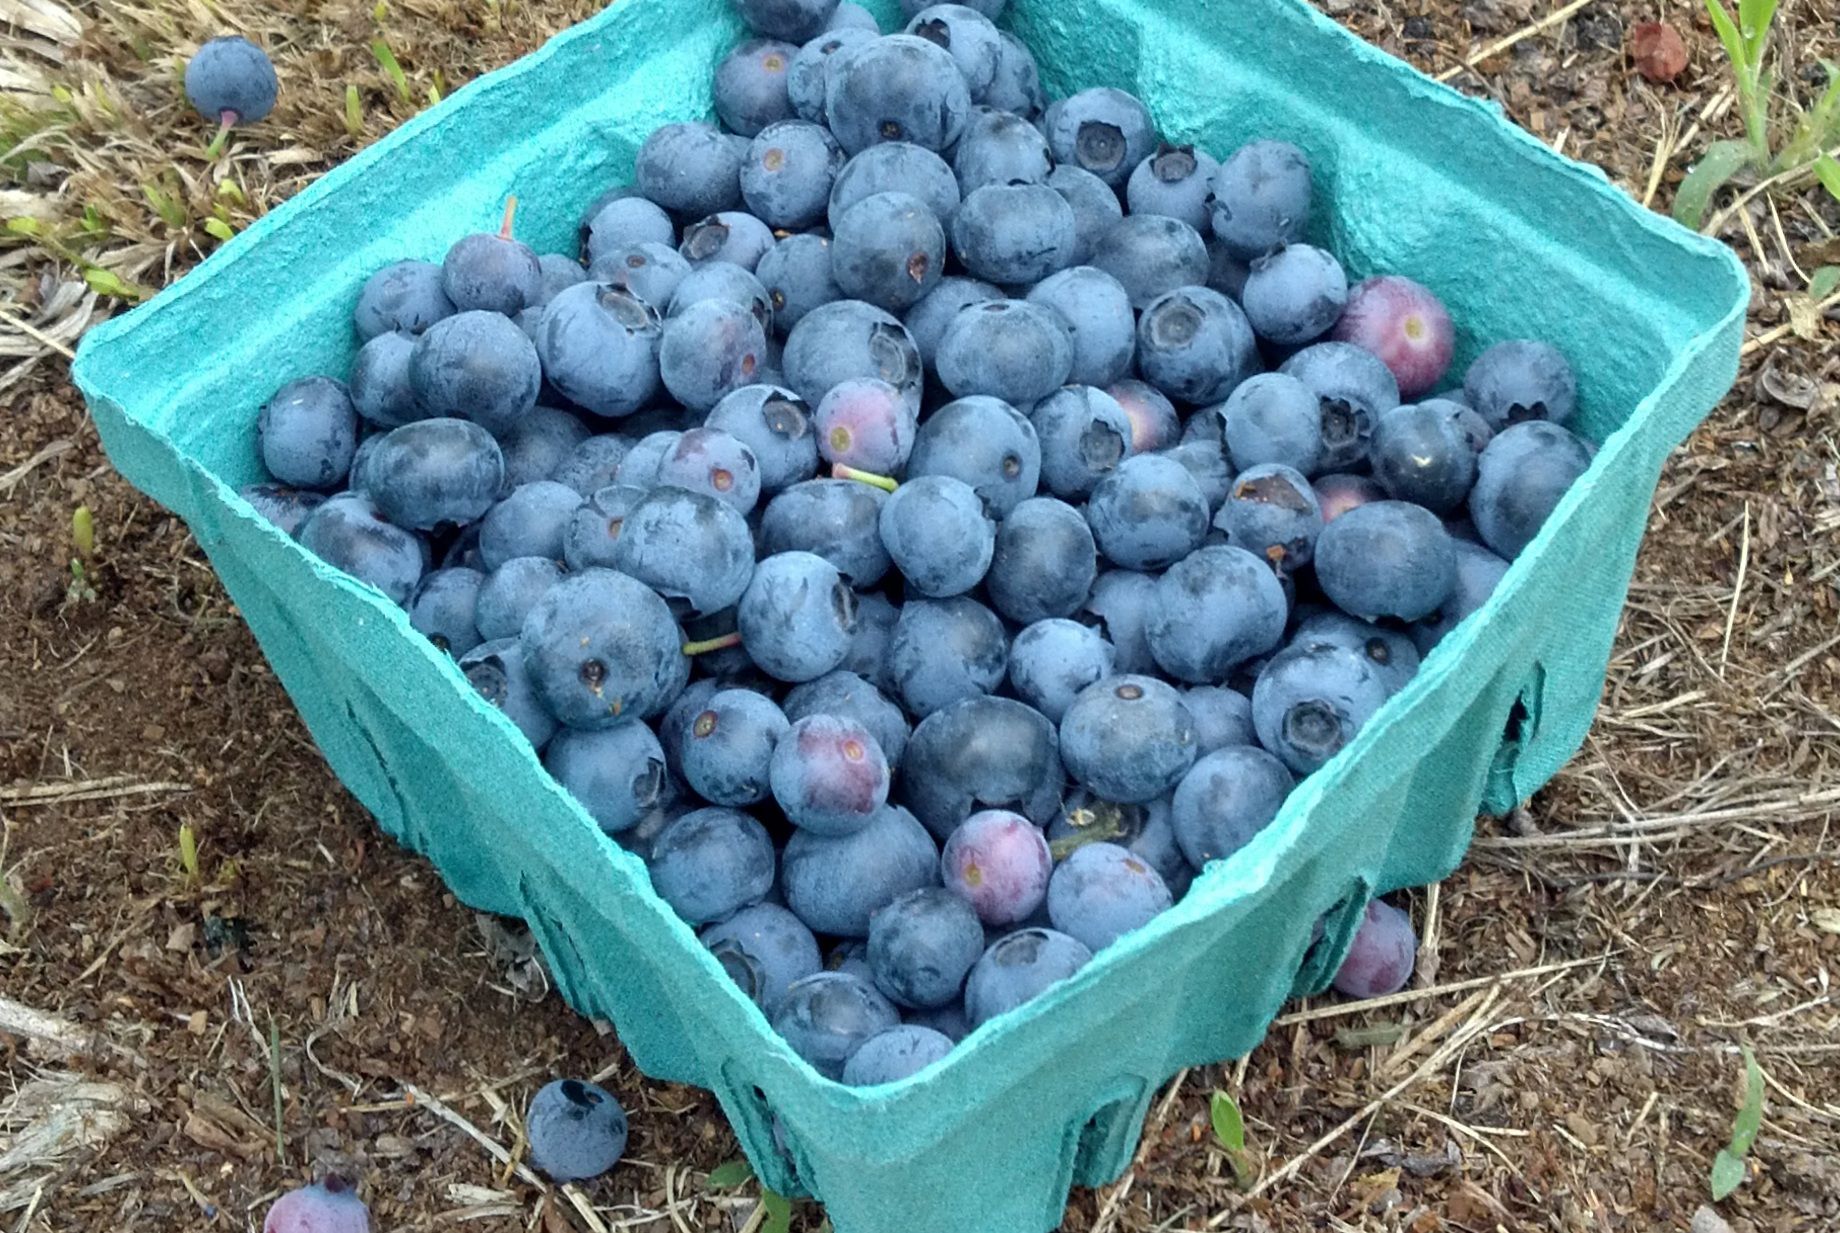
(787, 19)
(1151, 255)
(796, 616)
(922, 945)
(895, 1054)
(836, 883)
(897, 88)
(1051, 661)
(1222, 716)
(1097, 311)
(845, 339)
(496, 670)
(1000, 147)
(776, 425)
(478, 366)
(1122, 601)
(625, 222)
(1272, 512)
(1084, 435)
(1261, 198)
(827, 1017)
(982, 753)
(888, 250)
(1353, 390)
(1521, 380)
(986, 443)
(308, 432)
(1273, 418)
(750, 85)
(648, 271)
(786, 180)
(404, 295)
(1128, 738)
(797, 277)
(1043, 563)
(432, 472)
(1311, 700)
(692, 169)
(1148, 513)
(528, 523)
(733, 236)
(731, 744)
(1389, 651)
(286, 507)
(1095, 208)
(837, 520)
(1520, 479)
(1195, 345)
(380, 389)
(896, 167)
(1018, 968)
(764, 948)
(1102, 892)
(1225, 800)
(230, 80)
(968, 36)
(936, 532)
(1214, 610)
(349, 533)
(602, 647)
(1102, 130)
(443, 608)
(1479, 571)
(1017, 84)
(808, 76)
(709, 350)
(1011, 233)
(1175, 181)
(509, 593)
(1294, 294)
(711, 862)
(1386, 559)
(944, 650)
(617, 773)
(575, 1130)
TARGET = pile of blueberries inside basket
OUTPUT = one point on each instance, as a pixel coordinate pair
(926, 522)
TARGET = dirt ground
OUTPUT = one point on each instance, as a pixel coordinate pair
(1568, 1057)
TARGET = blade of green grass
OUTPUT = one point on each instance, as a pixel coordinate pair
(1722, 161)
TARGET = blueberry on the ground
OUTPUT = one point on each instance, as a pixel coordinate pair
(1154, 422)
(1102, 891)
(733, 236)
(617, 774)
(1128, 738)
(710, 862)
(380, 388)
(1311, 699)
(998, 862)
(692, 169)
(1386, 559)
(1152, 254)
(797, 20)
(827, 1017)
(1195, 345)
(981, 752)
(1479, 571)
(829, 775)
(999, 147)
(786, 180)
(1380, 958)
(1421, 453)
(888, 250)
(938, 536)
(1122, 601)
(1051, 661)
(895, 1054)
(1175, 181)
(716, 464)
(1338, 493)
(730, 747)
(528, 523)
(404, 295)
(1272, 512)
(796, 616)
(848, 338)
(835, 519)
(1521, 380)
(1095, 208)
(809, 73)
(896, 88)
(1019, 967)
(491, 272)
(308, 432)
(1222, 716)
(1213, 610)
(478, 366)
(603, 647)
(327, 1206)
(1353, 390)
(1009, 349)
(1017, 84)
(944, 650)
(230, 80)
(764, 948)
(1261, 198)
(1147, 513)
(896, 167)
(836, 884)
(1390, 652)
(496, 670)
(1044, 561)
(846, 695)
(623, 223)
(349, 533)
(968, 36)
(750, 85)
(922, 945)
(985, 442)
(1520, 479)
(1294, 294)
(1405, 325)
(1084, 435)
(433, 471)
(1097, 311)
(1102, 130)
(776, 425)
(286, 507)
(1226, 799)
(647, 271)
(1273, 418)
(593, 534)
(1013, 233)
(709, 350)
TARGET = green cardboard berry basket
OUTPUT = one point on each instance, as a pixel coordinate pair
(1411, 178)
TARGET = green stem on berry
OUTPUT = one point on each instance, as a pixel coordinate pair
(712, 644)
(886, 483)
(225, 122)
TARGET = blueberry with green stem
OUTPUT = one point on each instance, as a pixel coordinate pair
(231, 81)
(493, 273)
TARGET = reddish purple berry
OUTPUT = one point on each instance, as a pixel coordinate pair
(328, 1206)
(829, 775)
(1338, 493)
(868, 424)
(999, 862)
(1405, 325)
(1154, 422)
(1379, 961)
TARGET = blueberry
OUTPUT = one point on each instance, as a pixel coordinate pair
(709, 350)
(1353, 390)
(711, 862)
(797, 278)
(786, 179)
(1019, 967)
(944, 650)
(478, 366)
(617, 774)
(602, 647)
(897, 88)
(496, 670)
(1403, 324)
(796, 616)
(1043, 563)
(689, 547)
(1520, 479)
(1147, 513)
(1388, 651)
(888, 250)
(649, 272)
(999, 147)
(998, 862)
(1017, 84)
(1121, 602)
(1272, 512)
(850, 16)
(404, 295)
(730, 745)
(836, 884)
(1207, 464)
(837, 520)
(1227, 273)
(895, 1055)
(948, 1020)
(1051, 661)
(1174, 181)
(710, 461)
(308, 432)
(827, 1017)
(593, 534)
(1223, 717)
(936, 532)
(876, 615)
(764, 949)
(808, 76)
(327, 1206)
(986, 443)
(968, 36)
(896, 167)
(692, 169)
(349, 533)
(286, 507)
(1097, 311)
(1273, 418)
(1261, 198)
(231, 80)
(1380, 958)
(1521, 380)
(442, 608)
(510, 592)
(1225, 800)
(1195, 345)
(380, 389)
(922, 945)
(1128, 738)
(1311, 699)
(1479, 571)
(845, 695)
(1152, 255)
(489, 272)
(733, 236)
(528, 523)
(829, 775)
(1008, 349)
(1338, 493)
(639, 469)
(1422, 454)
(1014, 233)
(776, 425)
(1084, 435)
(1101, 892)
(1215, 609)
(1154, 422)
(1386, 559)
(750, 85)
(848, 338)
(624, 223)
(559, 273)
(1294, 294)
(867, 424)
(981, 752)
(1105, 131)
(432, 472)
(1095, 208)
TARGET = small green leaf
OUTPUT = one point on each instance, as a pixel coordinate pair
(83, 531)
(1722, 161)
(164, 205)
(1750, 1114)
(779, 1212)
(1728, 34)
(728, 1176)
(391, 68)
(1754, 18)
(107, 282)
(219, 228)
(1727, 1174)
(1229, 1127)
(25, 226)
(1364, 1037)
(188, 852)
(1828, 172)
(354, 113)
(1823, 283)
(380, 12)
(233, 191)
